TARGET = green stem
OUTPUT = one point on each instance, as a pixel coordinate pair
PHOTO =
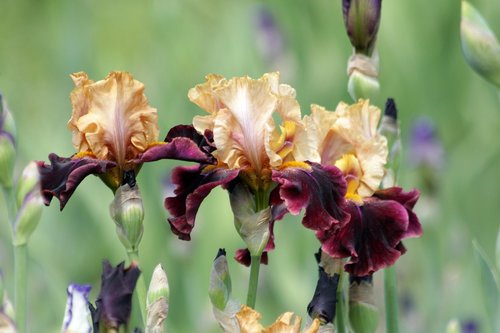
(341, 309)
(20, 270)
(391, 300)
(253, 282)
(140, 288)
(10, 202)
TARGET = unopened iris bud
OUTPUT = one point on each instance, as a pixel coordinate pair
(479, 44)
(7, 325)
(77, 314)
(453, 326)
(219, 291)
(363, 314)
(30, 203)
(324, 301)
(128, 213)
(157, 301)
(252, 225)
(7, 145)
(389, 128)
(363, 73)
(361, 19)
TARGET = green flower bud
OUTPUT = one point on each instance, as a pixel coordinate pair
(363, 76)
(363, 314)
(479, 44)
(30, 202)
(252, 226)
(219, 291)
(7, 145)
(389, 128)
(128, 213)
(157, 301)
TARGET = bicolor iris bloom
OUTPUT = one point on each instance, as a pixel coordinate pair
(77, 314)
(253, 130)
(379, 219)
(114, 131)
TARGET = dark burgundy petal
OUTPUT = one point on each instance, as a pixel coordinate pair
(320, 191)
(408, 200)
(372, 238)
(243, 257)
(205, 141)
(179, 149)
(63, 175)
(114, 303)
(193, 184)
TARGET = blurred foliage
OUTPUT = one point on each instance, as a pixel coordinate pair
(170, 45)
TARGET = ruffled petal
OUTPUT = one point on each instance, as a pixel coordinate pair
(114, 303)
(63, 175)
(112, 117)
(320, 190)
(373, 236)
(193, 184)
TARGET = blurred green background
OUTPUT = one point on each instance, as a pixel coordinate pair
(171, 45)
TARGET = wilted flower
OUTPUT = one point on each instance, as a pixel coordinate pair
(114, 131)
(114, 303)
(259, 162)
(77, 314)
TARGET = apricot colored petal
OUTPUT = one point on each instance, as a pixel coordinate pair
(112, 117)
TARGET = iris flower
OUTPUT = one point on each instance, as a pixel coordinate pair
(252, 130)
(114, 131)
(379, 219)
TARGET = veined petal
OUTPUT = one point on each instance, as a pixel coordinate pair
(352, 129)
(193, 184)
(373, 236)
(63, 175)
(112, 118)
(319, 190)
(239, 130)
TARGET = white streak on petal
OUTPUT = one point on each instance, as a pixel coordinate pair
(77, 314)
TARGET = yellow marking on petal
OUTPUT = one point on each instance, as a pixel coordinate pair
(295, 164)
(83, 154)
(156, 143)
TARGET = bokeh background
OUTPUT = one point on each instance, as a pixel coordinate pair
(171, 45)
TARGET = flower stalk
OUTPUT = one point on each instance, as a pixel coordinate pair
(140, 289)
(20, 295)
(253, 282)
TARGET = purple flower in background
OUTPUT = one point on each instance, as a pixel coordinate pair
(425, 147)
(270, 41)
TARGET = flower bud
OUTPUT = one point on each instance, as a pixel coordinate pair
(389, 128)
(77, 314)
(479, 44)
(7, 325)
(157, 301)
(30, 203)
(7, 145)
(363, 314)
(361, 19)
(219, 291)
(363, 76)
(252, 226)
(324, 301)
(128, 213)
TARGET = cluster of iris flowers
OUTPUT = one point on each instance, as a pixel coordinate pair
(253, 142)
